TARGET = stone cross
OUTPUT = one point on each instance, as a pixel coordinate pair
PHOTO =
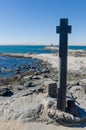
(63, 30)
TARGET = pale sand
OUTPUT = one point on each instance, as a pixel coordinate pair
(74, 63)
(15, 125)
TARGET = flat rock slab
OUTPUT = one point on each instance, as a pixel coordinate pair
(22, 107)
(27, 107)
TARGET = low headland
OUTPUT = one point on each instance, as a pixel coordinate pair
(25, 101)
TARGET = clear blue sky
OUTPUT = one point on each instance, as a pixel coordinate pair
(35, 21)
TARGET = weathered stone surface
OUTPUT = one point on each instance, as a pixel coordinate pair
(64, 118)
(45, 76)
(77, 53)
(45, 70)
(50, 104)
(33, 113)
(22, 107)
(77, 91)
(72, 83)
(19, 87)
(36, 77)
(83, 84)
(28, 84)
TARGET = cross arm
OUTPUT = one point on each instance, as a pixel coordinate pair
(57, 29)
(69, 29)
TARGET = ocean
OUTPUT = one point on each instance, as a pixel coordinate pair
(8, 65)
(23, 49)
(32, 49)
(77, 47)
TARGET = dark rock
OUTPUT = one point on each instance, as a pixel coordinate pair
(35, 73)
(39, 109)
(45, 76)
(40, 90)
(26, 94)
(5, 92)
(30, 72)
(19, 87)
(31, 77)
(72, 83)
(50, 104)
(33, 113)
(24, 66)
(38, 72)
(35, 77)
(17, 72)
(52, 113)
(54, 77)
(28, 84)
(80, 53)
(18, 68)
(45, 70)
(33, 67)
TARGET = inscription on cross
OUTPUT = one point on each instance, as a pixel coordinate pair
(63, 30)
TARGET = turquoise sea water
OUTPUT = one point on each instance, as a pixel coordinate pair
(23, 49)
(9, 63)
(77, 47)
(32, 49)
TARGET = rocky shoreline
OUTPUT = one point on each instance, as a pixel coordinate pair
(24, 97)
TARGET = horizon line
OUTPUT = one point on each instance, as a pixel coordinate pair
(38, 45)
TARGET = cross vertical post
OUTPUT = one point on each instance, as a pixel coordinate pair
(63, 31)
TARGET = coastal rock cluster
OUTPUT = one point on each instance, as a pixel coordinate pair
(25, 96)
(78, 53)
